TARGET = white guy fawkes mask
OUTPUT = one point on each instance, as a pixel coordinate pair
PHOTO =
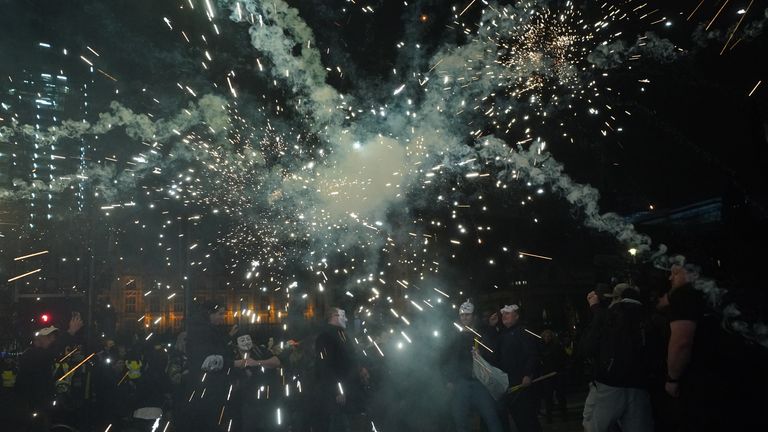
(342, 318)
(244, 343)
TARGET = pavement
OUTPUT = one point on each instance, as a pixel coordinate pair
(570, 421)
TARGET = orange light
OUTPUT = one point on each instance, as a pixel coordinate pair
(423, 18)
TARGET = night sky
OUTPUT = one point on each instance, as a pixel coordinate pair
(357, 145)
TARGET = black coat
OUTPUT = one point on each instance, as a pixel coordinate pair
(617, 343)
(490, 338)
(203, 340)
(335, 362)
(457, 358)
(553, 357)
(34, 382)
(517, 354)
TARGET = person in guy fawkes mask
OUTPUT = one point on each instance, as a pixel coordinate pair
(259, 386)
(468, 392)
(338, 374)
(210, 360)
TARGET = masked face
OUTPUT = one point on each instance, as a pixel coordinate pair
(244, 343)
(342, 318)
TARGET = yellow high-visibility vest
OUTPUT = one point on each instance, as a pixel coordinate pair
(9, 379)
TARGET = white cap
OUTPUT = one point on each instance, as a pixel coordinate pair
(148, 413)
(618, 291)
(510, 308)
(466, 308)
(46, 331)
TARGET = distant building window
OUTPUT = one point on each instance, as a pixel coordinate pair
(154, 304)
(130, 301)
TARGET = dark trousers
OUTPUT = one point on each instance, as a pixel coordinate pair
(261, 415)
(202, 413)
(523, 408)
(468, 394)
(552, 390)
(331, 416)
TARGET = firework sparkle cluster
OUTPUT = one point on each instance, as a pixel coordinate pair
(369, 197)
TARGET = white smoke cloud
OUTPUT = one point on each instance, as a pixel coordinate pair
(367, 171)
(363, 178)
(750, 30)
(209, 110)
(278, 31)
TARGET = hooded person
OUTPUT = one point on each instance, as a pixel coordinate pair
(210, 361)
(467, 392)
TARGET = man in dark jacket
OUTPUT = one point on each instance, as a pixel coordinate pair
(338, 375)
(35, 382)
(210, 359)
(616, 341)
(490, 331)
(553, 359)
(518, 357)
(468, 392)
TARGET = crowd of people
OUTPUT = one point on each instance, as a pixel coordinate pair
(669, 364)
(663, 363)
(656, 364)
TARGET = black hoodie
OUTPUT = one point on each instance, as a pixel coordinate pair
(617, 341)
(203, 340)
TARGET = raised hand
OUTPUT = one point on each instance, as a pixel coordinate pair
(75, 324)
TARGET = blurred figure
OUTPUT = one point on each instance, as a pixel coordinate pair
(107, 372)
(8, 372)
(298, 363)
(259, 386)
(468, 392)
(154, 387)
(715, 378)
(178, 374)
(616, 341)
(35, 382)
(518, 358)
(489, 329)
(210, 357)
(338, 375)
(553, 359)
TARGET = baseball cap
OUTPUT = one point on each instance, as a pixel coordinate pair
(618, 291)
(510, 308)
